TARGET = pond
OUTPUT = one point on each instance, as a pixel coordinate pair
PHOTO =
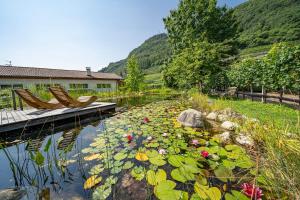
(142, 153)
(18, 168)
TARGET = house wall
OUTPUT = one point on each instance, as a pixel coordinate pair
(92, 84)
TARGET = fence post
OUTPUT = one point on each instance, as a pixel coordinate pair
(280, 96)
(251, 91)
(263, 92)
(13, 95)
(20, 103)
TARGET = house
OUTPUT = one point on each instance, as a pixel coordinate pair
(33, 77)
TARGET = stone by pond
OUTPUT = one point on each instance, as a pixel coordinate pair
(163, 159)
(191, 118)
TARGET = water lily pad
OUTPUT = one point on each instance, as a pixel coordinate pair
(93, 157)
(102, 192)
(97, 169)
(120, 156)
(205, 192)
(128, 165)
(165, 191)
(92, 181)
(235, 195)
(141, 156)
(155, 178)
(158, 160)
(176, 160)
(223, 173)
(138, 173)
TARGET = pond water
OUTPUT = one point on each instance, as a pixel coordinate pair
(18, 168)
(142, 153)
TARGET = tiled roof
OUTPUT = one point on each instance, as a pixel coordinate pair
(33, 72)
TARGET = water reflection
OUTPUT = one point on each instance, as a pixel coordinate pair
(48, 166)
(47, 162)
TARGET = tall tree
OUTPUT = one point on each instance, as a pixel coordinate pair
(135, 77)
(193, 66)
(198, 20)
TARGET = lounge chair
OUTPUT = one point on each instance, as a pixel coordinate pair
(64, 98)
(35, 102)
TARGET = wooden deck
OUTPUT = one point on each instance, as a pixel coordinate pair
(17, 119)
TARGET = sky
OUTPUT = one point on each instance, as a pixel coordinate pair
(67, 34)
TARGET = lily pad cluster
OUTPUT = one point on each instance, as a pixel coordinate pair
(165, 156)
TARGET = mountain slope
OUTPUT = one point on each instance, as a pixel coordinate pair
(264, 22)
(261, 22)
(151, 55)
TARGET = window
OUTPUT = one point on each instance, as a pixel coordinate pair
(14, 86)
(79, 86)
(100, 86)
(45, 86)
(5, 86)
(18, 86)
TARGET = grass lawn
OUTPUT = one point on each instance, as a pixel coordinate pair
(279, 115)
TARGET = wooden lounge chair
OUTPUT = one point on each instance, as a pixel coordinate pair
(64, 98)
(35, 102)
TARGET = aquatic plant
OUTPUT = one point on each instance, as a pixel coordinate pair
(153, 156)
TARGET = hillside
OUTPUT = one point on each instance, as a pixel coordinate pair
(263, 22)
(151, 55)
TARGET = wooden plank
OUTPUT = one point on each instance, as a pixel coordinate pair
(16, 116)
(4, 117)
(37, 117)
(10, 117)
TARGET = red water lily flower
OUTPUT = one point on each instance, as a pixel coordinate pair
(252, 191)
(129, 138)
(204, 154)
(146, 120)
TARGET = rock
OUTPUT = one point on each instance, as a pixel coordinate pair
(243, 139)
(191, 118)
(223, 118)
(224, 137)
(212, 116)
(129, 189)
(229, 125)
(12, 194)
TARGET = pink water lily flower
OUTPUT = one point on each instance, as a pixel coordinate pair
(162, 151)
(204, 154)
(195, 142)
(252, 191)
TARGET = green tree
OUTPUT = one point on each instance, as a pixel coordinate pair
(135, 77)
(193, 66)
(199, 20)
(283, 66)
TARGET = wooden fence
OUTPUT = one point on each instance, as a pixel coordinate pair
(266, 96)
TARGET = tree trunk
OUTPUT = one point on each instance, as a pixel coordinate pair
(200, 87)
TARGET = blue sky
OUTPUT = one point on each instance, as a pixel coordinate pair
(74, 34)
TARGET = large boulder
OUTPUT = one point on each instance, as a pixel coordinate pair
(230, 126)
(212, 116)
(191, 118)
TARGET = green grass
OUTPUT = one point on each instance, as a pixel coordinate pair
(279, 115)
